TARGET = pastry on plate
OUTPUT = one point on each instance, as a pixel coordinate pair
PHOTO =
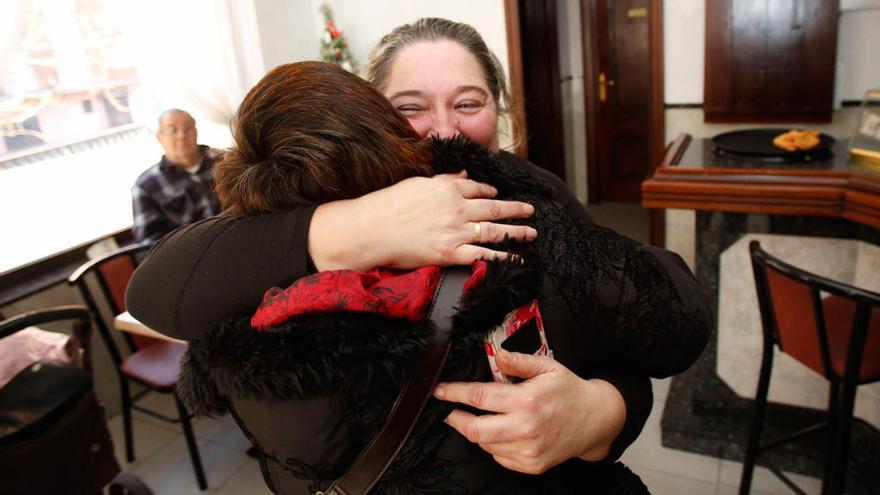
(795, 140)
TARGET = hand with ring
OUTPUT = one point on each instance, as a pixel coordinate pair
(436, 221)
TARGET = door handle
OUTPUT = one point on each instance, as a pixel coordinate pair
(604, 83)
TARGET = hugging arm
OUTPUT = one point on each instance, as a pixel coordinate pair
(640, 306)
(220, 267)
(641, 313)
(596, 404)
(639, 310)
(204, 272)
(608, 281)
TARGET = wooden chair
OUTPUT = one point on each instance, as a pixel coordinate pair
(152, 363)
(836, 335)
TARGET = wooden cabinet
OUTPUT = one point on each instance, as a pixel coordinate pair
(770, 60)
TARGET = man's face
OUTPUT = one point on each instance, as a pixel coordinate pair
(178, 136)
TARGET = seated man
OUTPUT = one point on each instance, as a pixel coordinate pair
(180, 188)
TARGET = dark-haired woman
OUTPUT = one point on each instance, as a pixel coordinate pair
(441, 76)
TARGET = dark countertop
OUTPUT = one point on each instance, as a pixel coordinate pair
(701, 153)
(694, 176)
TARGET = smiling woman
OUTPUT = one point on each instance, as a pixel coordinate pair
(468, 96)
(456, 101)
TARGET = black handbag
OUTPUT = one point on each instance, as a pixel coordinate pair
(36, 397)
(51, 421)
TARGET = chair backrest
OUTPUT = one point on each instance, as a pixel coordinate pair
(32, 318)
(110, 274)
(796, 317)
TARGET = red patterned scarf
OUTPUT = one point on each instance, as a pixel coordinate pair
(385, 292)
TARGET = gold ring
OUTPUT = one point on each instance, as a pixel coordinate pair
(477, 232)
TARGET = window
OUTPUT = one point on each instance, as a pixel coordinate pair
(68, 61)
(74, 121)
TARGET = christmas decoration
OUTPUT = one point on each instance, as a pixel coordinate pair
(334, 48)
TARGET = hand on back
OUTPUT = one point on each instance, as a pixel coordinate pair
(417, 222)
(550, 417)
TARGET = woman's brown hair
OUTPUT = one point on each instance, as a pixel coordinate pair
(311, 132)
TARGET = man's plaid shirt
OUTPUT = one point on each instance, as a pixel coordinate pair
(167, 196)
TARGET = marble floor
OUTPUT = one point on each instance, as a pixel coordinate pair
(668, 471)
(162, 460)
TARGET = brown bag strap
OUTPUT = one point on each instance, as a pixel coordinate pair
(371, 464)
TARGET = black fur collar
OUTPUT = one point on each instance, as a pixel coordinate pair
(454, 154)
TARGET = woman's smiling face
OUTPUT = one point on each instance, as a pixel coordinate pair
(441, 88)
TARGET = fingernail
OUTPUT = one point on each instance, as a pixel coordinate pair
(439, 392)
(533, 233)
(530, 209)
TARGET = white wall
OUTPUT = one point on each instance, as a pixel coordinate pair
(858, 68)
(571, 73)
(684, 29)
(291, 31)
(684, 37)
(287, 31)
(364, 23)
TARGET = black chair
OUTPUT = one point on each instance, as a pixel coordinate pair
(152, 363)
(53, 433)
(836, 335)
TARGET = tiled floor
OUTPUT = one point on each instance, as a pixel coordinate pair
(672, 472)
(162, 459)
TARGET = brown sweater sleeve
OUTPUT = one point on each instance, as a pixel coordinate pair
(220, 267)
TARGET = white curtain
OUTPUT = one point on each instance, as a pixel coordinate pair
(12, 25)
(199, 55)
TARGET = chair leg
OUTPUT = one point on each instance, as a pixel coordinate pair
(191, 442)
(745, 482)
(126, 418)
(831, 435)
(841, 440)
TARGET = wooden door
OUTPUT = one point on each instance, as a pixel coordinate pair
(543, 100)
(770, 60)
(623, 82)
